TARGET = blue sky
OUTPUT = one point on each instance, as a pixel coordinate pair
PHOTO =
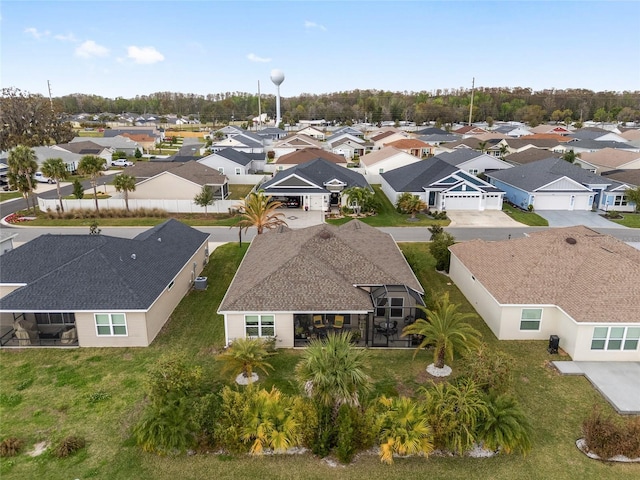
(118, 48)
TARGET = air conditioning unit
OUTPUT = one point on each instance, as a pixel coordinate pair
(554, 344)
(200, 283)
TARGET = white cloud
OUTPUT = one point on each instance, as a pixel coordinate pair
(90, 49)
(144, 55)
(254, 58)
(69, 37)
(35, 33)
(311, 25)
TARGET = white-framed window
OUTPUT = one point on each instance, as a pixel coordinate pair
(238, 170)
(473, 171)
(381, 304)
(221, 170)
(620, 200)
(396, 307)
(530, 318)
(257, 326)
(111, 324)
(615, 338)
(381, 170)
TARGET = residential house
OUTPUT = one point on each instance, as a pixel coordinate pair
(317, 184)
(351, 277)
(119, 143)
(86, 148)
(575, 283)
(97, 290)
(312, 132)
(294, 143)
(632, 136)
(381, 139)
(628, 177)
(473, 161)
(412, 146)
(176, 180)
(305, 155)
(598, 134)
(555, 129)
(354, 132)
(608, 159)
(229, 161)
(241, 140)
(6, 241)
(441, 186)
(386, 159)
(470, 131)
(271, 133)
(555, 184)
(529, 155)
(584, 146)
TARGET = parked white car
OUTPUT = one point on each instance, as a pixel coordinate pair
(121, 162)
(41, 178)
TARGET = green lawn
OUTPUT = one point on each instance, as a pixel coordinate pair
(239, 192)
(388, 216)
(631, 220)
(528, 218)
(98, 393)
(9, 196)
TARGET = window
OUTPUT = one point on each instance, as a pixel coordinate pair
(615, 338)
(473, 171)
(259, 326)
(620, 200)
(380, 306)
(238, 171)
(530, 318)
(221, 170)
(55, 318)
(396, 307)
(111, 324)
(381, 170)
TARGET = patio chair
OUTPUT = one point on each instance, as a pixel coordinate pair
(70, 336)
(338, 321)
(317, 321)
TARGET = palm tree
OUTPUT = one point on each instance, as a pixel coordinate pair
(270, 422)
(333, 371)
(454, 412)
(403, 428)
(244, 356)
(570, 156)
(505, 426)
(360, 198)
(260, 211)
(56, 169)
(93, 166)
(504, 150)
(22, 166)
(412, 204)
(482, 146)
(125, 183)
(446, 330)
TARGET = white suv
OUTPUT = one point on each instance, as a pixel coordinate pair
(41, 178)
(121, 162)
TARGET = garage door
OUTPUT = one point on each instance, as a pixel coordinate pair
(316, 202)
(552, 202)
(461, 202)
(493, 202)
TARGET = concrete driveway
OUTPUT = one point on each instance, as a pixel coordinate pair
(616, 381)
(566, 218)
(487, 218)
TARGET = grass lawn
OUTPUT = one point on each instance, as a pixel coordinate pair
(239, 192)
(631, 220)
(528, 218)
(388, 216)
(9, 196)
(98, 393)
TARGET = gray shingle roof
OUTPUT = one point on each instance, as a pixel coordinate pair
(318, 172)
(534, 175)
(316, 269)
(413, 177)
(235, 156)
(457, 157)
(97, 272)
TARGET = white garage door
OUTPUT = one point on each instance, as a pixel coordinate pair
(316, 202)
(493, 202)
(552, 202)
(461, 202)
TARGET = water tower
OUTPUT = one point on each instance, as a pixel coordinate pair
(277, 77)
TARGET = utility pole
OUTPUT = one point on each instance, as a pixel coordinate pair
(50, 99)
(259, 108)
(473, 84)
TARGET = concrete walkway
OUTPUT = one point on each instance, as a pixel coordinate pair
(566, 218)
(618, 382)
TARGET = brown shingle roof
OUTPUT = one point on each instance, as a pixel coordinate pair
(530, 155)
(596, 279)
(408, 143)
(610, 157)
(316, 268)
(307, 154)
(192, 171)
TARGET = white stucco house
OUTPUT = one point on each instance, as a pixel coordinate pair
(386, 159)
(573, 282)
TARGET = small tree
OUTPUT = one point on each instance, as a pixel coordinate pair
(260, 211)
(78, 190)
(22, 167)
(361, 199)
(125, 183)
(138, 153)
(205, 197)
(412, 204)
(570, 156)
(633, 195)
(244, 356)
(56, 169)
(439, 248)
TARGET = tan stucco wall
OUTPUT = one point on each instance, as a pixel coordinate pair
(162, 309)
(234, 327)
(166, 186)
(583, 353)
(136, 331)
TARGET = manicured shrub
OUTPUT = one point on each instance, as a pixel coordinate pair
(68, 446)
(490, 369)
(10, 447)
(346, 433)
(607, 437)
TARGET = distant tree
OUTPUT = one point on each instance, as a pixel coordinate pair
(22, 168)
(205, 197)
(601, 115)
(29, 120)
(118, 154)
(138, 153)
(490, 122)
(439, 248)
(93, 166)
(633, 195)
(482, 146)
(78, 190)
(125, 183)
(628, 114)
(56, 169)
